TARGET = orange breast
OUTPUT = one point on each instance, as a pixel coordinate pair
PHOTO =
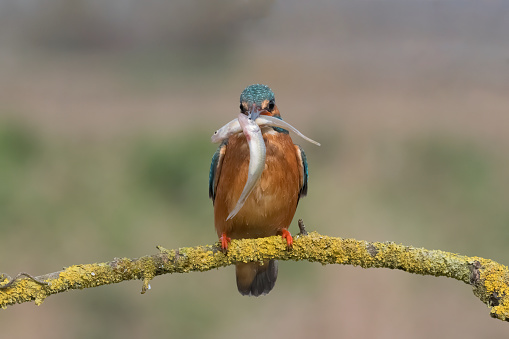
(272, 203)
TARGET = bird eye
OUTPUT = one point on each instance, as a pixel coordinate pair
(271, 105)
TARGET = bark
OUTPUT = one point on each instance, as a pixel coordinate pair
(489, 280)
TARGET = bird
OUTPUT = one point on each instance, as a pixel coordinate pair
(271, 206)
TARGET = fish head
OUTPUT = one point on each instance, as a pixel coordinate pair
(226, 131)
(249, 126)
(217, 136)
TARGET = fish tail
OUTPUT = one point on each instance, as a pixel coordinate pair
(235, 210)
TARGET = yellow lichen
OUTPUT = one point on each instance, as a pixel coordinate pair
(492, 282)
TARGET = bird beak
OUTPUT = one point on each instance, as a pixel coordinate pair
(255, 112)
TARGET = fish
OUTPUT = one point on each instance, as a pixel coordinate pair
(233, 127)
(257, 153)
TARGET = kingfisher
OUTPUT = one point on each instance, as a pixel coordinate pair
(270, 207)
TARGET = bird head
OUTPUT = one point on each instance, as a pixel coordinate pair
(258, 99)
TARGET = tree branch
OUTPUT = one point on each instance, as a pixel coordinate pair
(490, 280)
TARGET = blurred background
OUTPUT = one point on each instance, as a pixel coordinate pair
(107, 107)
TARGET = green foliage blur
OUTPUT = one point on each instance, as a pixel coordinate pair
(106, 109)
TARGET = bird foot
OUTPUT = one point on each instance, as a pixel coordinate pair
(286, 235)
(225, 241)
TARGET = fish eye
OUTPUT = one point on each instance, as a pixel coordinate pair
(271, 105)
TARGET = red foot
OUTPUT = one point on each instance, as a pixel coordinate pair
(288, 237)
(225, 241)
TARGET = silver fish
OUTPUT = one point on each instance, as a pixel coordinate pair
(256, 159)
(233, 127)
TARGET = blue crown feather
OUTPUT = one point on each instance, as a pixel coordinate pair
(256, 94)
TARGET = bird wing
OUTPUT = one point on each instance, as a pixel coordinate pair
(215, 169)
(303, 169)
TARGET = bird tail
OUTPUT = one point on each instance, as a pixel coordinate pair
(255, 278)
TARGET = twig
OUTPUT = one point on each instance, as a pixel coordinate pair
(489, 280)
(302, 228)
(12, 281)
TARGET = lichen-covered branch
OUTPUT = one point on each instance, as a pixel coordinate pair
(490, 280)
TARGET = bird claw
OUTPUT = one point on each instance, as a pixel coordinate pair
(225, 241)
(286, 235)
